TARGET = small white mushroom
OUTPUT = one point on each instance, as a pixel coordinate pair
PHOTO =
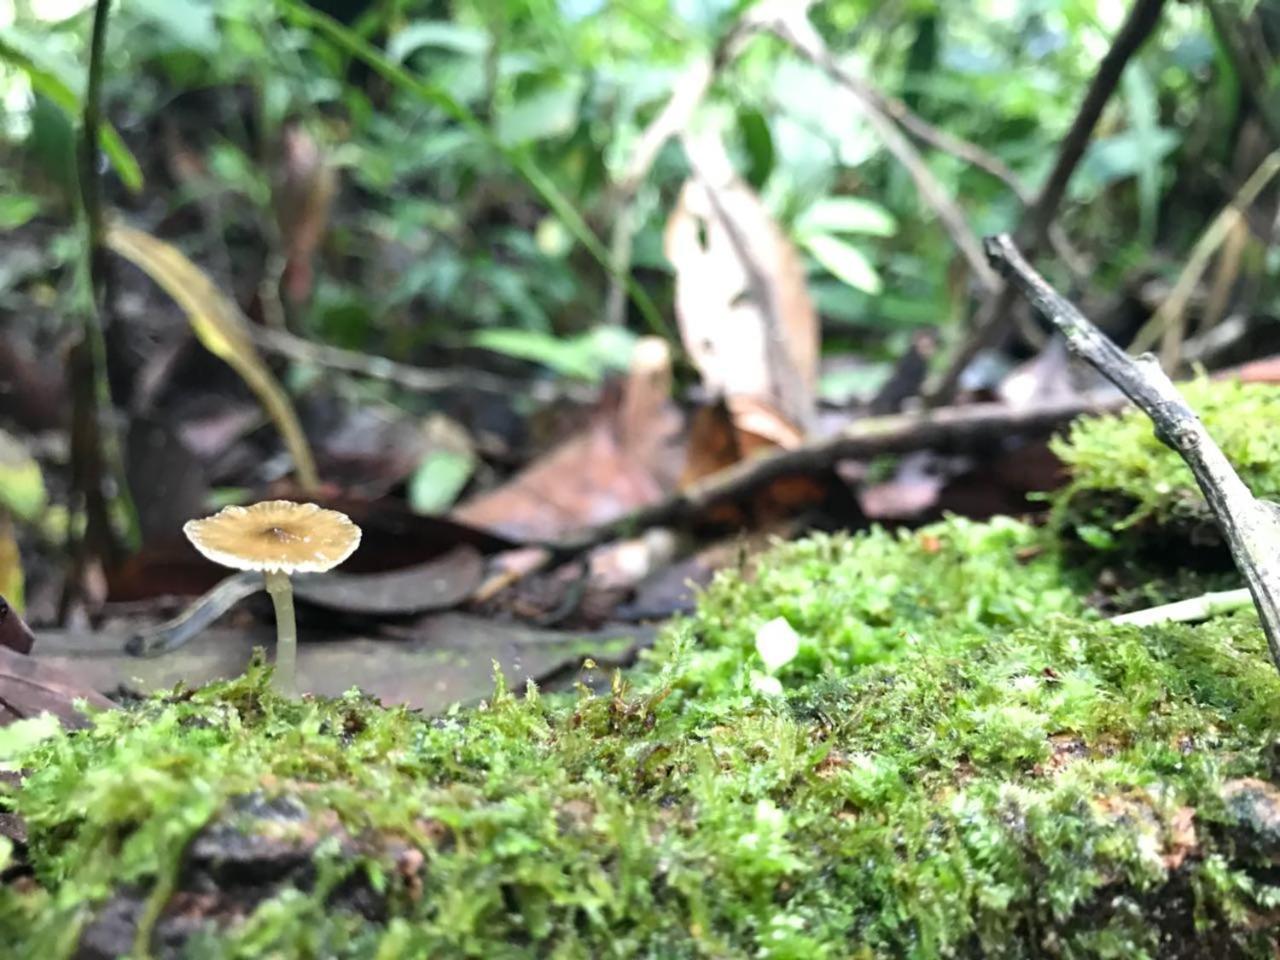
(280, 538)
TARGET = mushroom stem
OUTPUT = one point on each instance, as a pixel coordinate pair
(281, 590)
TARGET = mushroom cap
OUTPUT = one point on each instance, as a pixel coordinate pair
(275, 535)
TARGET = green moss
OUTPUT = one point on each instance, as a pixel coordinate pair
(960, 765)
(856, 600)
(1122, 475)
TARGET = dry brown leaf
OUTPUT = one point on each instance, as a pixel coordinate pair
(14, 632)
(646, 402)
(713, 444)
(744, 310)
(30, 687)
(716, 442)
(615, 465)
(302, 195)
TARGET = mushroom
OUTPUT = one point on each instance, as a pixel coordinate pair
(279, 538)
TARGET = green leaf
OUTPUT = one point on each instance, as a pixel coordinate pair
(551, 112)
(759, 143)
(46, 80)
(846, 262)
(586, 357)
(17, 209)
(188, 23)
(1097, 537)
(440, 477)
(438, 34)
(847, 215)
(21, 483)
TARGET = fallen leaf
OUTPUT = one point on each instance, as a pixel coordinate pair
(646, 420)
(221, 328)
(713, 444)
(14, 632)
(30, 687)
(615, 465)
(437, 585)
(745, 314)
(439, 660)
(586, 481)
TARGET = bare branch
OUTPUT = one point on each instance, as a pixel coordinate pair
(1251, 526)
(992, 320)
(1169, 316)
(790, 24)
(689, 90)
(418, 379)
(949, 430)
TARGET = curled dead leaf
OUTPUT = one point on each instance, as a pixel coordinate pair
(744, 310)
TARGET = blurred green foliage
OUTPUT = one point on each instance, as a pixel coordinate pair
(444, 227)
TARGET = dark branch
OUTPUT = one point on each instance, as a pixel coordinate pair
(992, 320)
(1251, 526)
(949, 430)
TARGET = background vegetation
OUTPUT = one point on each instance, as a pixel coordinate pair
(440, 240)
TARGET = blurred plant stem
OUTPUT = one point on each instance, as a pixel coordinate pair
(96, 477)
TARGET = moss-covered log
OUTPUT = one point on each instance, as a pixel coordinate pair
(958, 758)
(962, 762)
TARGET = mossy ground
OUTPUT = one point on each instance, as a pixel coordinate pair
(962, 761)
(1123, 476)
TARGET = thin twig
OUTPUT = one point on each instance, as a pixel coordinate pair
(975, 156)
(417, 379)
(1169, 316)
(1250, 526)
(992, 319)
(947, 430)
(1226, 273)
(788, 21)
(688, 92)
(1204, 607)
